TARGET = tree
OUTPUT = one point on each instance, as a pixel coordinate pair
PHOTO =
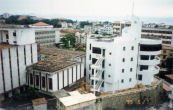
(69, 41)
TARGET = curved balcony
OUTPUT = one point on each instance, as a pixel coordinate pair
(153, 70)
(155, 61)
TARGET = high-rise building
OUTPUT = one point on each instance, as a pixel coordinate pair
(17, 50)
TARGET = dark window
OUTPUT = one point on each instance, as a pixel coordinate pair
(92, 71)
(131, 69)
(103, 75)
(37, 80)
(7, 37)
(92, 82)
(122, 70)
(31, 79)
(124, 48)
(90, 46)
(143, 67)
(103, 84)
(139, 77)
(43, 82)
(131, 59)
(103, 52)
(144, 57)
(152, 57)
(130, 79)
(110, 53)
(150, 47)
(96, 50)
(90, 57)
(94, 60)
(103, 64)
(89, 76)
(14, 33)
(132, 48)
(89, 67)
(123, 59)
(122, 81)
(50, 84)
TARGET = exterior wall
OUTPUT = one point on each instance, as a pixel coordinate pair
(23, 36)
(47, 36)
(12, 66)
(60, 79)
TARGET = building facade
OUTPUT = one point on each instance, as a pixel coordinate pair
(158, 31)
(45, 34)
(113, 63)
(62, 69)
(18, 50)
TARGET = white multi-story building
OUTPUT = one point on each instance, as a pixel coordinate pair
(18, 50)
(81, 38)
(45, 34)
(113, 63)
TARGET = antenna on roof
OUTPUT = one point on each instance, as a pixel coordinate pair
(132, 7)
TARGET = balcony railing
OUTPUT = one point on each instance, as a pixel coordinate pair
(98, 74)
(97, 86)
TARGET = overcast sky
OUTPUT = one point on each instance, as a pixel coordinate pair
(88, 8)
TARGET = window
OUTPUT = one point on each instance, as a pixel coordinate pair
(122, 81)
(103, 75)
(90, 57)
(43, 82)
(96, 50)
(50, 84)
(150, 47)
(92, 71)
(132, 48)
(109, 64)
(122, 70)
(37, 80)
(131, 69)
(103, 64)
(130, 79)
(144, 57)
(109, 75)
(140, 77)
(14, 33)
(152, 57)
(143, 67)
(89, 76)
(103, 52)
(124, 48)
(131, 59)
(90, 46)
(103, 84)
(94, 60)
(123, 59)
(31, 79)
(92, 82)
(90, 67)
(110, 53)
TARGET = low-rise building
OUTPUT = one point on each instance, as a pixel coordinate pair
(167, 52)
(57, 69)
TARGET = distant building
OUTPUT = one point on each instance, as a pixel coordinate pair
(6, 15)
(118, 26)
(17, 51)
(167, 52)
(81, 38)
(158, 31)
(64, 25)
(45, 34)
(57, 69)
(121, 61)
(22, 17)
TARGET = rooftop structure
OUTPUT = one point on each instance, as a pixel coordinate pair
(57, 69)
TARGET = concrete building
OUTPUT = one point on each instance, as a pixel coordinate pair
(167, 52)
(18, 50)
(45, 34)
(118, 26)
(114, 63)
(57, 69)
(158, 31)
(81, 38)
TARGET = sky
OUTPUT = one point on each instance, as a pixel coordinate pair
(89, 9)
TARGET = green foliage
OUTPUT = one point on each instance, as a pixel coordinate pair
(83, 23)
(28, 20)
(69, 41)
(31, 93)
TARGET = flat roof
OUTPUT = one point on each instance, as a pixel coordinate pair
(59, 59)
(39, 101)
(76, 98)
